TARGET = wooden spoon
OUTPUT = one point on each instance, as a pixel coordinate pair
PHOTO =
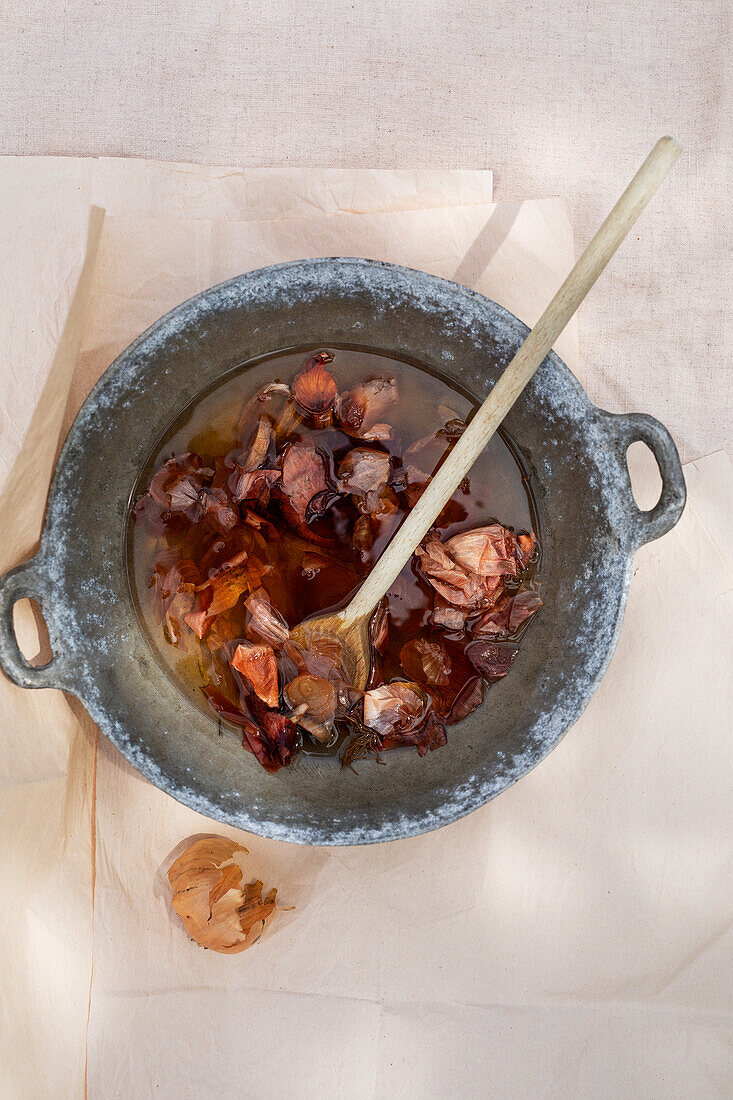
(351, 625)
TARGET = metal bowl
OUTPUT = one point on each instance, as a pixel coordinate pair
(590, 527)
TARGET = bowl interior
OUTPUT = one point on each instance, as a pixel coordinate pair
(501, 489)
(458, 335)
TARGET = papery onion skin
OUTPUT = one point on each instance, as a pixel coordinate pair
(258, 664)
(285, 523)
(217, 910)
(314, 388)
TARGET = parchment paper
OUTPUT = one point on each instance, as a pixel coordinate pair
(548, 922)
(571, 938)
(50, 227)
(48, 748)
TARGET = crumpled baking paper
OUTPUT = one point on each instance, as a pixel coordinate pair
(50, 222)
(570, 938)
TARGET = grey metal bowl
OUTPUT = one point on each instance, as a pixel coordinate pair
(590, 526)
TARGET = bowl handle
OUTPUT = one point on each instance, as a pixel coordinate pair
(26, 581)
(629, 428)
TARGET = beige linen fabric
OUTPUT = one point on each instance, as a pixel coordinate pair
(565, 98)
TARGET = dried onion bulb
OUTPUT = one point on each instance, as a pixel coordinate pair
(217, 910)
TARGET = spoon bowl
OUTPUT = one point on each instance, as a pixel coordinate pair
(351, 633)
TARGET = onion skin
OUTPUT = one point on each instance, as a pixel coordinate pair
(218, 912)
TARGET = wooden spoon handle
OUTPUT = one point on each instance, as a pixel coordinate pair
(516, 376)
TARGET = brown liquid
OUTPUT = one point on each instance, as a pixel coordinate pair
(498, 489)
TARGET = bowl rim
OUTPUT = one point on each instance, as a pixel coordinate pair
(42, 577)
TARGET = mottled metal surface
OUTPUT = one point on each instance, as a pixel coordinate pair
(590, 528)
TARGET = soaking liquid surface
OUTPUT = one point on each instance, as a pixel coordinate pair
(312, 577)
